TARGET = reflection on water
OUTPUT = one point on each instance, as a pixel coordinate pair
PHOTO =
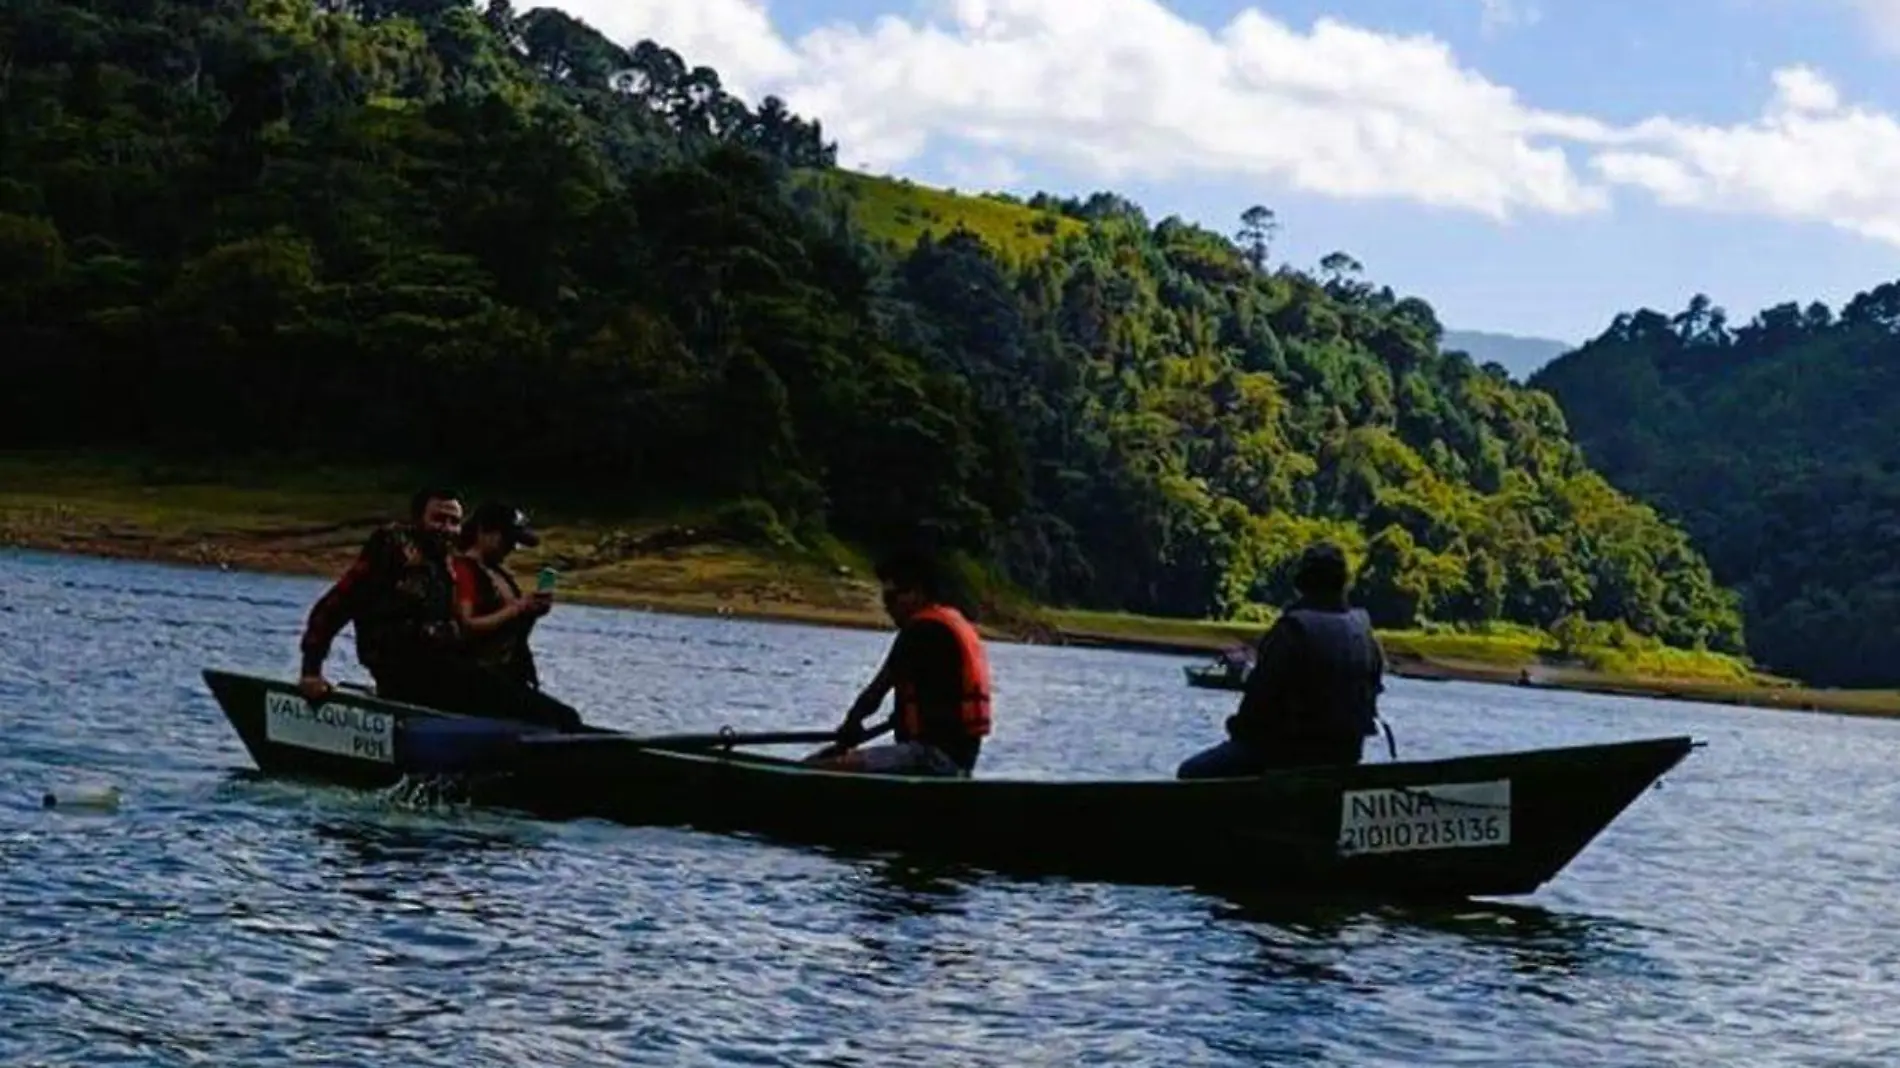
(895, 889)
(218, 917)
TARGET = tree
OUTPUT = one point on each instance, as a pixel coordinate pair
(1337, 266)
(1258, 225)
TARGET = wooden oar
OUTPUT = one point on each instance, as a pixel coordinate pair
(725, 738)
(837, 747)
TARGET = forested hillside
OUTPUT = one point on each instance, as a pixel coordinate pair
(1776, 442)
(415, 229)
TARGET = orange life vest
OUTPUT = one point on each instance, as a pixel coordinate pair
(974, 710)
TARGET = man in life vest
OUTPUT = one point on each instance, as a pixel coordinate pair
(1312, 697)
(398, 592)
(940, 676)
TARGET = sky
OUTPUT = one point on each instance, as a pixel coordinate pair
(1527, 166)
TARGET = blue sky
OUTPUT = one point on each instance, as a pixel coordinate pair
(1531, 166)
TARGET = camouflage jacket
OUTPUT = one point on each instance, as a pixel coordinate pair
(400, 594)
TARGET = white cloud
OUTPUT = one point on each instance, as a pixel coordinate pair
(1809, 157)
(735, 37)
(1799, 89)
(1128, 90)
(1123, 90)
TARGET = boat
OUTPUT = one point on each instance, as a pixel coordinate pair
(1488, 825)
(1215, 677)
(1227, 671)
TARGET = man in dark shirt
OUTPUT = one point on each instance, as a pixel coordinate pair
(939, 672)
(1312, 697)
(398, 591)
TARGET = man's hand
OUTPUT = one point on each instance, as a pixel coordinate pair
(530, 606)
(868, 701)
(314, 687)
(850, 732)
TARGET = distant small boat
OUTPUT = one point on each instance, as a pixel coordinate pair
(1227, 672)
(1489, 825)
(1215, 677)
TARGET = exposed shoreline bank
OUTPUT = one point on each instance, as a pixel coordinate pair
(666, 568)
(212, 552)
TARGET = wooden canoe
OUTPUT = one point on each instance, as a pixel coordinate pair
(1489, 825)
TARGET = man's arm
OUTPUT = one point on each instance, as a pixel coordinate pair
(927, 654)
(337, 607)
(881, 684)
(1378, 662)
(463, 570)
(1260, 701)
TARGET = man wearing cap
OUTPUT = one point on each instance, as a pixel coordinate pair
(1313, 695)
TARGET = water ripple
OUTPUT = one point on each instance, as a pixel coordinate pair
(1734, 917)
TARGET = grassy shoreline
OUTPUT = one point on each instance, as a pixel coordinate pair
(310, 522)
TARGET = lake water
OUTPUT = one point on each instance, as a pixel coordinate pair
(1738, 915)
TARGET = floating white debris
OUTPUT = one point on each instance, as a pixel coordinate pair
(87, 798)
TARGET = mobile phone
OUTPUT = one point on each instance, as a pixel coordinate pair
(544, 582)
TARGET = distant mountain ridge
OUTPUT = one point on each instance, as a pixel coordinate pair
(1521, 356)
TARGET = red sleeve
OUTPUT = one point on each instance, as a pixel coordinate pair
(465, 589)
(337, 607)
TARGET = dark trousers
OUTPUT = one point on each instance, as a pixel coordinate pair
(463, 686)
(1232, 759)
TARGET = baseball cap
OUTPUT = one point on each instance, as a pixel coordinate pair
(510, 520)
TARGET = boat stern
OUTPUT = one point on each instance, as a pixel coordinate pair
(355, 737)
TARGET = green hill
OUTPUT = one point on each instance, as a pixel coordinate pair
(1774, 442)
(503, 248)
(898, 213)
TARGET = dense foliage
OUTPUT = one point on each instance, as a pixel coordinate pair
(415, 229)
(1775, 444)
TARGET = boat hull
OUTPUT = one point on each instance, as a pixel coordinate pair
(1480, 826)
(1336, 831)
(1213, 678)
(356, 739)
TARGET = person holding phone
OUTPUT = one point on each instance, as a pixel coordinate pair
(496, 617)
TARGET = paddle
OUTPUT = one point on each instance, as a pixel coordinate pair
(724, 738)
(837, 747)
(727, 738)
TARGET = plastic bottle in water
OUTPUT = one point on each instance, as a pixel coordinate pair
(84, 798)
